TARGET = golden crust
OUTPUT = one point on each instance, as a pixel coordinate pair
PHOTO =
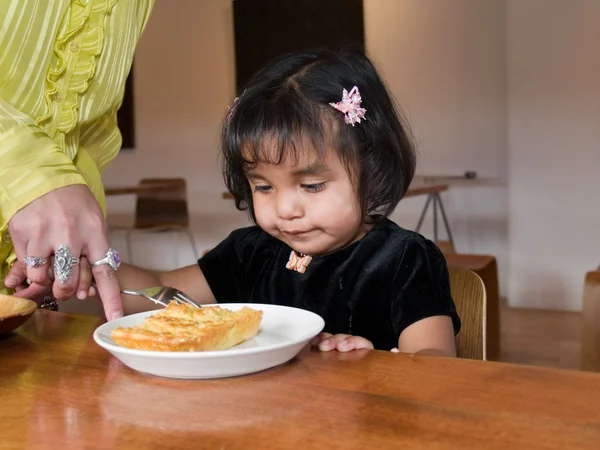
(184, 328)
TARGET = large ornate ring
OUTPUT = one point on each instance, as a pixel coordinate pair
(111, 259)
(34, 262)
(64, 262)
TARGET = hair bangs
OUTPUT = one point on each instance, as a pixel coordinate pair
(281, 131)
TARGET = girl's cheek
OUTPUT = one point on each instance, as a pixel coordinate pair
(262, 214)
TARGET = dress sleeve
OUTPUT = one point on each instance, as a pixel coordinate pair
(31, 164)
(422, 286)
(225, 266)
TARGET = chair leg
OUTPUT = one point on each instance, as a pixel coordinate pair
(445, 219)
(193, 242)
(423, 212)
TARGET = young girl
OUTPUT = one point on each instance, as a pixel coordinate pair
(315, 151)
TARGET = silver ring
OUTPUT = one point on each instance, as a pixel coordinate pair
(34, 262)
(111, 259)
(64, 262)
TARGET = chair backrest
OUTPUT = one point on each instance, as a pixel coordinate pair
(590, 344)
(487, 268)
(468, 292)
(164, 207)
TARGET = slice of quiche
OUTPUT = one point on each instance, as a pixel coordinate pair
(184, 328)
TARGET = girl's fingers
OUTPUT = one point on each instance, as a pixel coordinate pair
(341, 342)
(354, 343)
(319, 338)
(332, 342)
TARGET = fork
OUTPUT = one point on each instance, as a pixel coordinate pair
(162, 295)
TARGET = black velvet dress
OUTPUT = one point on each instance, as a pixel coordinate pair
(374, 288)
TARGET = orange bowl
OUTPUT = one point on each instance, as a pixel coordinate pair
(14, 312)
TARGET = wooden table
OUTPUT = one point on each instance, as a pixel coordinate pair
(59, 389)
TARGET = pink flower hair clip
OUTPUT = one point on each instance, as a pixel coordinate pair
(231, 110)
(350, 106)
(232, 106)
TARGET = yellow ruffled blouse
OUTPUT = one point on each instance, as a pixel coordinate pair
(63, 66)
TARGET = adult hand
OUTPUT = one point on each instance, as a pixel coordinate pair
(39, 291)
(72, 217)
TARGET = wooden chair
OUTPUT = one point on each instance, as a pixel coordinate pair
(590, 345)
(164, 210)
(486, 267)
(468, 292)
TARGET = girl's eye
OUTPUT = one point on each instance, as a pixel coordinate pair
(262, 188)
(313, 187)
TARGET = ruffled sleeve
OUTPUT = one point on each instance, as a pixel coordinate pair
(79, 43)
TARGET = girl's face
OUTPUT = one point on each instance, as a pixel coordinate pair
(311, 205)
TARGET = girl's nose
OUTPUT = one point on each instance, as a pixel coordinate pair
(288, 206)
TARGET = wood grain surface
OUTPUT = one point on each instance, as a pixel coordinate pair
(60, 390)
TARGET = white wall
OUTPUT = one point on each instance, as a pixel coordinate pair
(184, 80)
(554, 140)
(446, 63)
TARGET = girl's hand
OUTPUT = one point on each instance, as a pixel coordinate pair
(340, 342)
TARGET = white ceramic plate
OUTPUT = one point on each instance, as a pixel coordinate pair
(284, 331)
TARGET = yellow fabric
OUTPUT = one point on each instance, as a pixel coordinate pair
(63, 66)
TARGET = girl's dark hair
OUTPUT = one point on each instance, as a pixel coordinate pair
(286, 104)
